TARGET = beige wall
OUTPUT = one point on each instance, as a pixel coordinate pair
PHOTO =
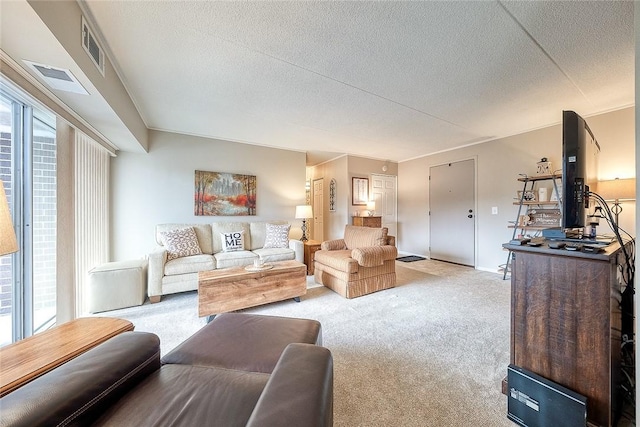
(333, 221)
(158, 187)
(498, 164)
(343, 169)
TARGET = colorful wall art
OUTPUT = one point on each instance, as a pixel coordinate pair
(224, 194)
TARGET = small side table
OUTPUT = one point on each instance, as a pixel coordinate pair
(367, 221)
(310, 248)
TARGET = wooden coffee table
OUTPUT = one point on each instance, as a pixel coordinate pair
(235, 288)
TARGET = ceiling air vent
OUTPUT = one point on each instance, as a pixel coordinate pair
(57, 78)
(91, 46)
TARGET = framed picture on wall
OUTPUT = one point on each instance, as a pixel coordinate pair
(224, 194)
(359, 191)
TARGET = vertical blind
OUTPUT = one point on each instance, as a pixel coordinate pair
(91, 163)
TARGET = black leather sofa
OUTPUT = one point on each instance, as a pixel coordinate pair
(239, 370)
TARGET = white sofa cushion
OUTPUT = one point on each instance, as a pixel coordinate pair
(277, 236)
(234, 259)
(259, 233)
(228, 227)
(180, 242)
(275, 254)
(203, 233)
(232, 241)
(190, 264)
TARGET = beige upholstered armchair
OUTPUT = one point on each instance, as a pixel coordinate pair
(360, 263)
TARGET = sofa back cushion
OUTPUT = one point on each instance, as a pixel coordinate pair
(181, 242)
(218, 229)
(277, 236)
(232, 241)
(362, 237)
(203, 233)
(259, 233)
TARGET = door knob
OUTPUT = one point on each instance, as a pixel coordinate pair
(469, 216)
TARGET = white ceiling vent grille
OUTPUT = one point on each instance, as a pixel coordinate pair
(57, 78)
(91, 46)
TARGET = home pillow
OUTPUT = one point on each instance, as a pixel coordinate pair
(277, 236)
(180, 242)
(233, 241)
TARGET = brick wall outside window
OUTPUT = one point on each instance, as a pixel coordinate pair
(44, 224)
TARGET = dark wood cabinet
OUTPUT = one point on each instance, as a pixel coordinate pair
(565, 321)
(367, 221)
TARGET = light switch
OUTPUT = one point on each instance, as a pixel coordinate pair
(494, 210)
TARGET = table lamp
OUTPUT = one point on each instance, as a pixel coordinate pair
(304, 212)
(8, 243)
(617, 190)
(371, 207)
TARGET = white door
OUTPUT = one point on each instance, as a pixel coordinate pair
(385, 195)
(452, 212)
(318, 210)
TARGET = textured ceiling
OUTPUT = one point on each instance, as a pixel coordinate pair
(387, 80)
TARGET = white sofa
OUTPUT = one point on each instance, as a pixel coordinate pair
(181, 274)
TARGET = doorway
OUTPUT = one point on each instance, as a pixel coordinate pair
(452, 206)
(385, 194)
(28, 277)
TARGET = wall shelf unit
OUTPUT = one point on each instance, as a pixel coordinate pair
(533, 214)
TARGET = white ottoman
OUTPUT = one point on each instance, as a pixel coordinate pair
(117, 285)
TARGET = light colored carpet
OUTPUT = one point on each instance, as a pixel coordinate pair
(430, 352)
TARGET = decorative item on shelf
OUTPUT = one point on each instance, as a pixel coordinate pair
(371, 207)
(542, 194)
(304, 212)
(544, 218)
(544, 167)
(616, 191)
(8, 242)
(524, 220)
(529, 196)
(556, 194)
(332, 195)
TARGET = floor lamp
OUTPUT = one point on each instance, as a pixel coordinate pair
(616, 191)
(8, 243)
(304, 212)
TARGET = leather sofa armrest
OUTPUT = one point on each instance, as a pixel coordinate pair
(299, 392)
(298, 248)
(333, 245)
(155, 271)
(374, 256)
(79, 391)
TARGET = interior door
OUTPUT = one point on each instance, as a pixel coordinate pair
(452, 212)
(385, 194)
(318, 209)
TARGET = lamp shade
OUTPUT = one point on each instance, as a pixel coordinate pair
(371, 205)
(8, 243)
(304, 212)
(620, 189)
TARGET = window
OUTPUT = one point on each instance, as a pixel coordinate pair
(28, 171)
